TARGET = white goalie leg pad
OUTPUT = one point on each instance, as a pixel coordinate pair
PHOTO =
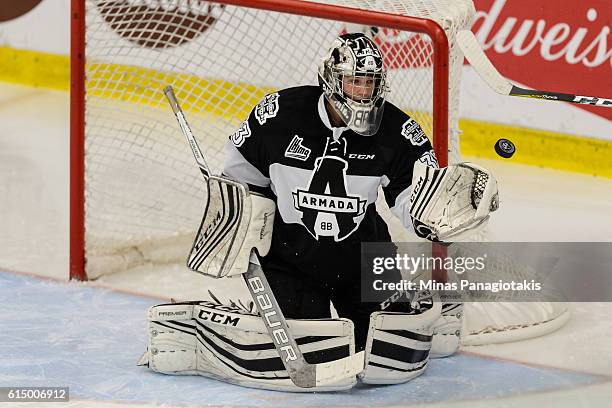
(447, 331)
(453, 202)
(235, 221)
(236, 347)
(231, 345)
(398, 346)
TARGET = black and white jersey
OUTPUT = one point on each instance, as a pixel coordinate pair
(325, 180)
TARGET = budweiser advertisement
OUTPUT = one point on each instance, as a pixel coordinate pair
(548, 45)
(542, 44)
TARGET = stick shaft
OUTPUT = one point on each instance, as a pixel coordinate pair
(491, 76)
(186, 130)
(301, 373)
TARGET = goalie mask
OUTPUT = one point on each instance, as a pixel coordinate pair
(353, 80)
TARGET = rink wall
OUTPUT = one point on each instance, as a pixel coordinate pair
(570, 53)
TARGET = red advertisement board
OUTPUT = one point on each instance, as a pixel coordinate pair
(561, 46)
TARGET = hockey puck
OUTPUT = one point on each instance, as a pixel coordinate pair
(505, 148)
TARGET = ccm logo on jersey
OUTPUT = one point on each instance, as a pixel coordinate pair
(270, 318)
(361, 156)
(220, 318)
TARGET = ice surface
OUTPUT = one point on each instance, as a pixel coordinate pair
(89, 338)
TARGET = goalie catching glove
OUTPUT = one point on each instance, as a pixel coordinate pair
(452, 202)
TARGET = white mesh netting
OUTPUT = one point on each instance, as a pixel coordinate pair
(141, 187)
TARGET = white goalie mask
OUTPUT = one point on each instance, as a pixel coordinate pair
(354, 82)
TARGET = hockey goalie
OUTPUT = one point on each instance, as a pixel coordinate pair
(294, 203)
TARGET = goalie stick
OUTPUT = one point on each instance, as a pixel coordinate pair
(302, 373)
(483, 66)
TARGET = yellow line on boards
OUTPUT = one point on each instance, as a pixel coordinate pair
(534, 147)
(538, 147)
(34, 68)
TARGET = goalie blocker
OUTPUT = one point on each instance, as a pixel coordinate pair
(235, 221)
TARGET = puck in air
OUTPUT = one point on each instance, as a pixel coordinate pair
(505, 148)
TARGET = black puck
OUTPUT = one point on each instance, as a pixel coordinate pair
(505, 148)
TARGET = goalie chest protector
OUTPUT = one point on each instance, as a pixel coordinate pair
(324, 180)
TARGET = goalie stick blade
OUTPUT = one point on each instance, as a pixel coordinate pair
(491, 76)
(307, 375)
(332, 371)
(317, 375)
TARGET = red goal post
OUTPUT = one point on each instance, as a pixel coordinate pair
(77, 140)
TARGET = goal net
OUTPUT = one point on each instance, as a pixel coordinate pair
(137, 196)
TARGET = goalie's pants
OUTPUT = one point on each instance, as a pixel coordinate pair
(307, 299)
